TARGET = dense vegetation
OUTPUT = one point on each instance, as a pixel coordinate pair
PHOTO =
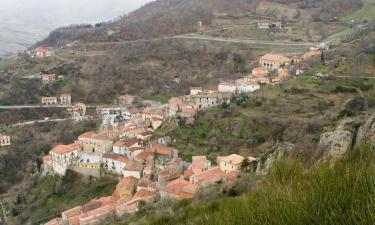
(22, 158)
(48, 196)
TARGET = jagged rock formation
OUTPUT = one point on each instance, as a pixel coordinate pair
(366, 132)
(338, 142)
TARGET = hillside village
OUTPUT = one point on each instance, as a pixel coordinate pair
(155, 118)
(147, 167)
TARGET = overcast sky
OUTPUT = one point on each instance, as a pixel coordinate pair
(52, 13)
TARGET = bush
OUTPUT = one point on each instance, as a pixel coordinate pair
(345, 89)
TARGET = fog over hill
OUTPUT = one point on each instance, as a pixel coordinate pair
(23, 22)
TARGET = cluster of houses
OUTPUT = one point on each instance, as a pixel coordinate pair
(4, 140)
(148, 168)
(145, 169)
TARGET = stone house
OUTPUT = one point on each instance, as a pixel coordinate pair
(232, 162)
(94, 143)
(273, 61)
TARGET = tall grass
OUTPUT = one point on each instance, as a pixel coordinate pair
(342, 193)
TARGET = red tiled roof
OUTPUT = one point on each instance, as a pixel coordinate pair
(130, 142)
(89, 134)
(145, 155)
(119, 144)
(133, 166)
(117, 157)
(163, 150)
(181, 188)
(274, 57)
(62, 149)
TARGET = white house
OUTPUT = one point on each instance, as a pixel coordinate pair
(132, 169)
(63, 156)
(115, 162)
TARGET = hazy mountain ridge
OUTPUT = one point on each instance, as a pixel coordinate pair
(36, 18)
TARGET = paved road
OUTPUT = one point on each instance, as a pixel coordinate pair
(40, 106)
(39, 75)
(33, 106)
(354, 77)
(38, 121)
(245, 41)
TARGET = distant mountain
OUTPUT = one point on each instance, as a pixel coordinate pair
(24, 22)
(156, 19)
(172, 17)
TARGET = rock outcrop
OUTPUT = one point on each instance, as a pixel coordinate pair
(366, 132)
(336, 143)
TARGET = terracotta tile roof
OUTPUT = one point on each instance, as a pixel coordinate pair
(117, 157)
(274, 57)
(106, 200)
(145, 155)
(189, 110)
(103, 209)
(259, 72)
(188, 172)
(181, 189)
(119, 144)
(163, 150)
(232, 175)
(101, 136)
(74, 220)
(89, 134)
(133, 166)
(42, 49)
(233, 159)
(73, 212)
(199, 159)
(143, 193)
(130, 142)
(210, 176)
(91, 206)
(62, 149)
(127, 183)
